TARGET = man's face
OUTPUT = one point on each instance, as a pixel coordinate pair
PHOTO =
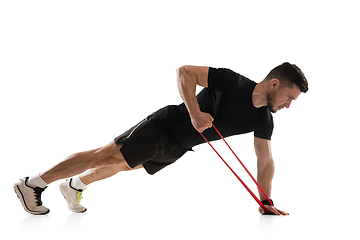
(282, 97)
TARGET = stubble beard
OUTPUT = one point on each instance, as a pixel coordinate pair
(270, 102)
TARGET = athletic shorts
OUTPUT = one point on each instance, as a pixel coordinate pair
(148, 144)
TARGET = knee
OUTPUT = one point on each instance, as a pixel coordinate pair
(123, 167)
(106, 162)
(107, 156)
(110, 159)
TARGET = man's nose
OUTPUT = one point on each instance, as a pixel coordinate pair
(287, 104)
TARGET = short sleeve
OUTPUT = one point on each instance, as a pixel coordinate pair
(266, 131)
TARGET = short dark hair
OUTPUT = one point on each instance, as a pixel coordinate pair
(289, 74)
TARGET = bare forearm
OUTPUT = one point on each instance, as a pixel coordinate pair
(188, 78)
(187, 88)
(264, 179)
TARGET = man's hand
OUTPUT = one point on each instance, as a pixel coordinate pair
(201, 121)
(188, 77)
(271, 211)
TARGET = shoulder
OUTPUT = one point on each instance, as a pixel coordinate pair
(225, 79)
(268, 118)
(221, 73)
(266, 125)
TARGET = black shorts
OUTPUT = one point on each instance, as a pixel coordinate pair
(148, 144)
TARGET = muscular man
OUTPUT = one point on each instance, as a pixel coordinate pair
(230, 101)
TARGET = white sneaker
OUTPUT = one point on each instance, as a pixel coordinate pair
(30, 198)
(73, 196)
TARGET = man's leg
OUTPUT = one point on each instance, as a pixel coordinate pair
(80, 162)
(73, 188)
(30, 195)
(101, 173)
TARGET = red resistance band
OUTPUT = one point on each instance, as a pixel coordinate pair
(251, 193)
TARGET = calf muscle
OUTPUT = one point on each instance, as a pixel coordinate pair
(80, 162)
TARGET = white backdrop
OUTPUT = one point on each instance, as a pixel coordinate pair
(75, 74)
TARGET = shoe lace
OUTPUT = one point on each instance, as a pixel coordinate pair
(79, 196)
(37, 194)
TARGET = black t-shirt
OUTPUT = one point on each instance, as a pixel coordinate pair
(228, 99)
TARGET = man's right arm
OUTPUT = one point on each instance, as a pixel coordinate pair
(188, 77)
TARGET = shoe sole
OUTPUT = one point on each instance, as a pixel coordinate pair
(66, 201)
(23, 203)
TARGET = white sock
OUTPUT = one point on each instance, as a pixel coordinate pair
(36, 181)
(77, 183)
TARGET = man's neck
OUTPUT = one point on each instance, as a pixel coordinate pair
(259, 96)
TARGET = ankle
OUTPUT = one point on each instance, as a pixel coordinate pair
(77, 184)
(36, 181)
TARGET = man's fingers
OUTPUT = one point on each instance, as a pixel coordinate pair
(272, 210)
(211, 119)
(202, 121)
(282, 212)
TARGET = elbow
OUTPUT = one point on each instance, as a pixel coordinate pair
(182, 70)
(267, 165)
(182, 74)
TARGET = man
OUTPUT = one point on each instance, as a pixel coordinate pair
(230, 101)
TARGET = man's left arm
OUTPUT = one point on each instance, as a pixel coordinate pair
(266, 169)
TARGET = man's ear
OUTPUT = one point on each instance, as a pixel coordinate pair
(275, 83)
